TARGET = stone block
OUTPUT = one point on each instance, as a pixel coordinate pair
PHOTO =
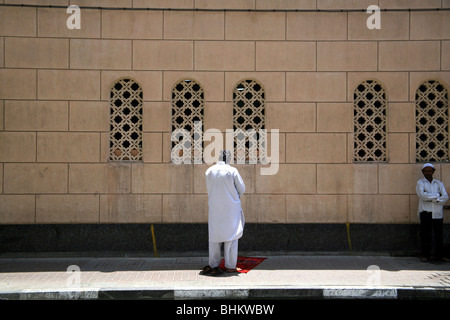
(149, 81)
(316, 86)
(152, 147)
(17, 209)
(17, 21)
(100, 54)
(316, 26)
(17, 84)
(378, 208)
(316, 208)
(34, 53)
(67, 209)
(400, 178)
(185, 208)
(89, 116)
(51, 22)
(334, 178)
(162, 178)
(225, 4)
(17, 146)
(396, 84)
(224, 55)
(364, 178)
(430, 25)
(264, 208)
(316, 148)
(285, 56)
(207, 25)
(402, 117)
(162, 55)
(445, 56)
(343, 4)
(68, 85)
(181, 4)
(68, 147)
(409, 55)
(290, 179)
(2, 112)
(347, 56)
(291, 117)
(218, 115)
(36, 115)
(274, 83)
(122, 24)
(398, 147)
(157, 117)
(394, 26)
(409, 4)
(108, 178)
(286, 4)
(2, 52)
(255, 26)
(211, 82)
(334, 117)
(22, 178)
(130, 208)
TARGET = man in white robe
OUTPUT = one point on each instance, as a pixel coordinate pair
(432, 196)
(225, 217)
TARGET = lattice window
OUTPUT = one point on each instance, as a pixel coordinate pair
(248, 119)
(369, 122)
(125, 121)
(187, 114)
(431, 122)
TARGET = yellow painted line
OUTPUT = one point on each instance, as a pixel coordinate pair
(348, 236)
(155, 251)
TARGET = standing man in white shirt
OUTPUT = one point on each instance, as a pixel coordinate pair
(225, 217)
(432, 196)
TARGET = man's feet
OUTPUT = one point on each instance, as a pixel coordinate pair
(211, 271)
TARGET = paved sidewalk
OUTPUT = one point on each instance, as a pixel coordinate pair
(278, 277)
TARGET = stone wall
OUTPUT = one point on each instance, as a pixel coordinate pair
(54, 107)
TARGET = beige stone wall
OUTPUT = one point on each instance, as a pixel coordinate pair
(54, 112)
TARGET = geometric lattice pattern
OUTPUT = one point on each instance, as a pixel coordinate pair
(248, 120)
(187, 113)
(125, 121)
(431, 122)
(369, 109)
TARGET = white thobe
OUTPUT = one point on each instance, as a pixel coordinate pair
(225, 217)
(432, 196)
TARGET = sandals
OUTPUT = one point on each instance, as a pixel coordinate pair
(211, 271)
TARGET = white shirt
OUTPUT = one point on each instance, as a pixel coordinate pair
(225, 217)
(432, 196)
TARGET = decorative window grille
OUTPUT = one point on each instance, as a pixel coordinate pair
(187, 114)
(431, 122)
(369, 122)
(126, 121)
(248, 121)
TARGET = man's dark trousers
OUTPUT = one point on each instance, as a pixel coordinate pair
(428, 225)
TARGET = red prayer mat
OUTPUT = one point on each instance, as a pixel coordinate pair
(245, 263)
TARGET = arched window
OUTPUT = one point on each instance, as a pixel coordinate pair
(369, 111)
(248, 119)
(431, 122)
(187, 121)
(125, 121)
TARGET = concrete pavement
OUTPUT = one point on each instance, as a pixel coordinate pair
(169, 278)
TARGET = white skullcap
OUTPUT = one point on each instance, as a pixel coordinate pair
(427, 165)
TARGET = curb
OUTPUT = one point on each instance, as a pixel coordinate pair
(328, 293)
